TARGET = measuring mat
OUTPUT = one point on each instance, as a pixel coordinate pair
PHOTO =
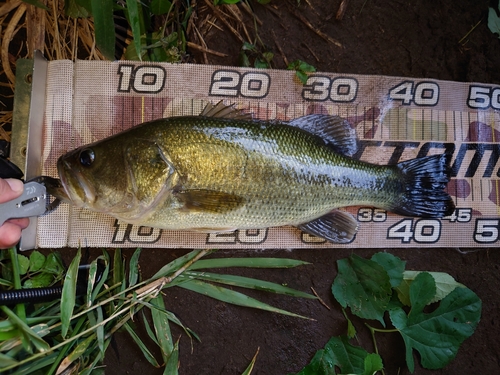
(395, 118)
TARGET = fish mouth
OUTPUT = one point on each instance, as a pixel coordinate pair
(77, 189)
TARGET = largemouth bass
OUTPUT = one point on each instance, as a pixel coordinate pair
(222, 171)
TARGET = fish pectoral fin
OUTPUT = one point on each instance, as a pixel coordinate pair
(336, 226)
(334, 130)
(220, 110)
(209, 200)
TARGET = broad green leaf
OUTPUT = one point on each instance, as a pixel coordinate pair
(41, 280)
(247, 262)
(438, 335)
(159, 7)
(37, 260)
(68, 296)
(364, 286)
(53, 264)
(422, 292)
(104, 27)
(133, 274)
(494, 21)
(392, 265)
(246, 282)
(231, 296)
(338, 352)
(445, 284)
(24, 264)
(373, 364)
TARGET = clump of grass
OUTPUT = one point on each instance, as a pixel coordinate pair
(75, 332)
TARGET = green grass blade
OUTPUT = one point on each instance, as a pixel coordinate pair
(91, 282)
(172, 363)
(145, 351)
(135, 24)
(133, 273)
(247, 262)
(79, 350)
(104, 27)
(20, 309)
(104, 276)
(5, 360)
(148, 329)
(246, 282)
(233, 297)
(175, 264)
(100, 330)
(249, 369)
(69, 293)
(32, 336)
(119, 270)
(162, 328)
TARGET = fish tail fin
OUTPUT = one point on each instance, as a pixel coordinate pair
(424, 180)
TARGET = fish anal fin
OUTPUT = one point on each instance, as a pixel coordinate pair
(336, 226)
(334, 130)
(221, 110)
(209, 201)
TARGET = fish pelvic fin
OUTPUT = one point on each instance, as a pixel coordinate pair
(336, 131)
(424, 180)
(336, 226)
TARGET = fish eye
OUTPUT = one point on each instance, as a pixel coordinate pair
(86, 157)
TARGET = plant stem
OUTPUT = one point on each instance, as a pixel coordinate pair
(372, 332)
(20, 309)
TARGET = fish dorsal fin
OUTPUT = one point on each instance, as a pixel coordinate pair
(336, 226)
(202, 200)
(221, 110)
(334, 130)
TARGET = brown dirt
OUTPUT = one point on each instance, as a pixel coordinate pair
(398, 38)
(381, 37)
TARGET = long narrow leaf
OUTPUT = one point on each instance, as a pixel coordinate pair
(175, 264)
(247, 262)
(104, 276)
(69, 293)
(162, 328)
(75, 354)
(233, 297)
(104, 27)
(246, 282)
(144, 349)
(135, 25)
(33, 337)
(249, 369)
(148, 328)
(100, 330)
(172, 363)
(133, 273)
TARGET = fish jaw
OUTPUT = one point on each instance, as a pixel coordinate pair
(76, 189)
